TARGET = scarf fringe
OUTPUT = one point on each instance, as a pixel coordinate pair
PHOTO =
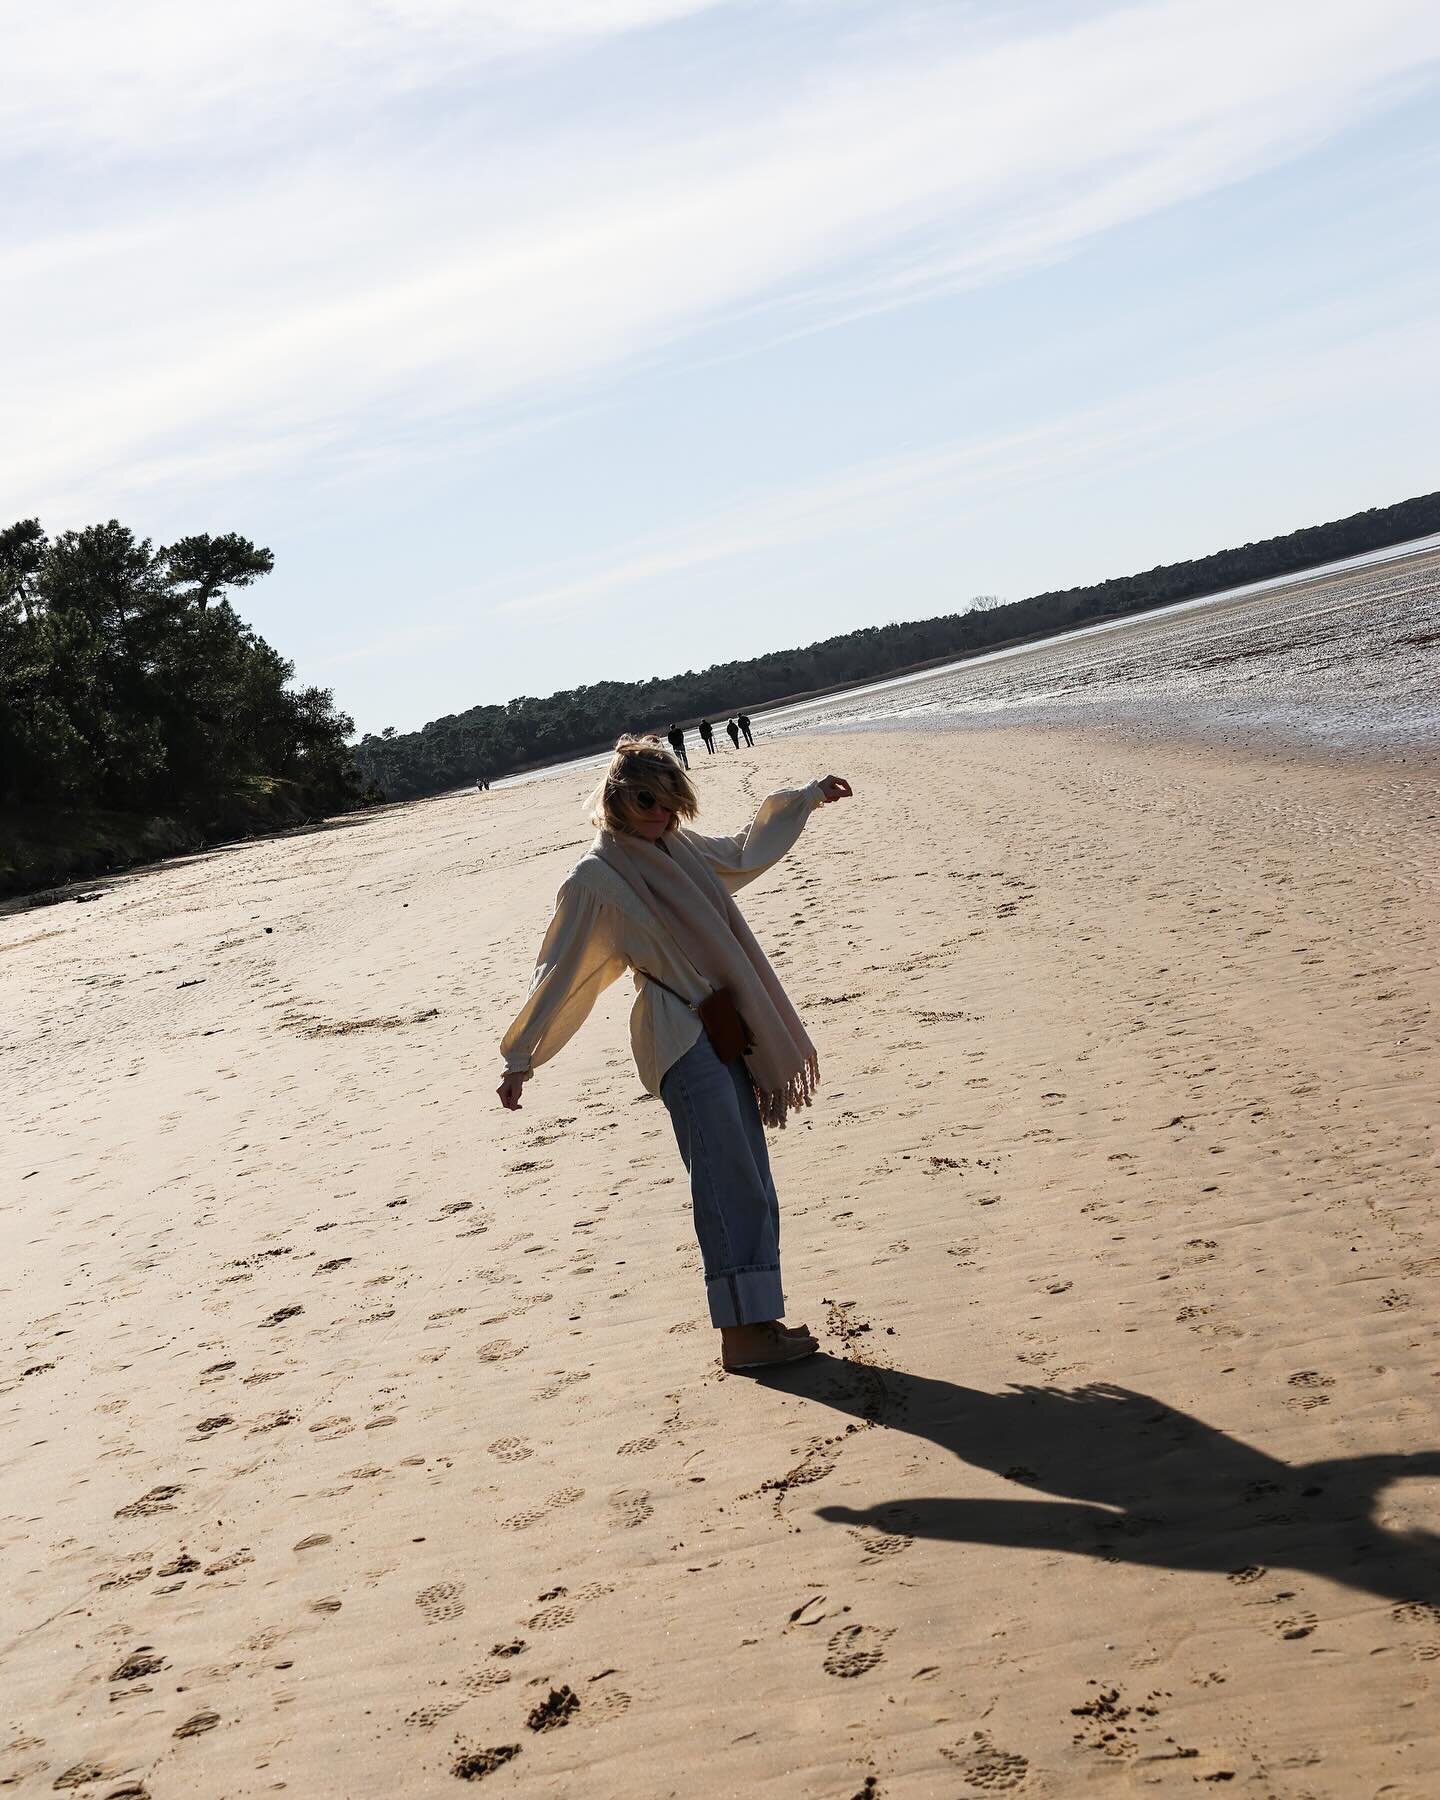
(798, 1091)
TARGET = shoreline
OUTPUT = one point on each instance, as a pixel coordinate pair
(356, 1420)
(136, 837)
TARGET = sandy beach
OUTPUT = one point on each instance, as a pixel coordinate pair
(361, 1439)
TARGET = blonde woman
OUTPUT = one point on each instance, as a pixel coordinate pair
(655, 897)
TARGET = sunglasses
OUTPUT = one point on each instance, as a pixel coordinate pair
(645, 799)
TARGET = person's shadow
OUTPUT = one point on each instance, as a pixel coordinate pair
(1145, 1483)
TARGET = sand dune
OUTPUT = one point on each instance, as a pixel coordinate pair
(362, 1439)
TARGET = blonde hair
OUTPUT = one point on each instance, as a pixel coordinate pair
(642, 762)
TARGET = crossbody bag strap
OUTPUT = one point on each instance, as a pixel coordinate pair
(693, 1006)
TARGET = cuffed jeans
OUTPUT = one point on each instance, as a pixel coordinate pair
(737, 1214)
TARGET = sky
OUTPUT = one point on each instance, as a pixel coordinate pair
(553, 341)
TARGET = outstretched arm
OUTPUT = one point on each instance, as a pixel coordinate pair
(769, 835)
(578, 960)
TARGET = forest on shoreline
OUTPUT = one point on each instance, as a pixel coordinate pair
(141, 716)
(491, 741)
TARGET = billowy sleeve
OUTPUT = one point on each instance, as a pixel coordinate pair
(578, 960)
(774, 830)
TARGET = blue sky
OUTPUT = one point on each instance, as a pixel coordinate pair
(547, 341)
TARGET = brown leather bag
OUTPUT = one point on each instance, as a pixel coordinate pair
(727, 1031)
(724, 1025)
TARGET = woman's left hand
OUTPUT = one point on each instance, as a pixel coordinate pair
(834, 787)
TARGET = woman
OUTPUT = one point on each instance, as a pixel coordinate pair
(655, 897)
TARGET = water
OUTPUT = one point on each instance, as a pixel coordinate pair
(1344, 659)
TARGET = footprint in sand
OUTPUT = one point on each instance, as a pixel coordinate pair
(855, 1650)
(271, 1421)
(609, 1703)
(442, 1600)
(1415, 1612)
(128, 1578)
(559, 1385)
(522, 1521)
(156, 1501)
(483, 1681)
(474, 1765)
(433, 1712)
(1298, 1627)
(552, 1618)
(339, 1426)
(509, 1449)
(995, 1770)
(500, 1350)
(142, 1661)
(196, 1725)
(880, 1547)
(237, 1559)
(1243, 1577)
(636, 1446)
(630, 1509)
(1310, 1378)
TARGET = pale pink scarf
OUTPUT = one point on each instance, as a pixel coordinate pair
(696, 911)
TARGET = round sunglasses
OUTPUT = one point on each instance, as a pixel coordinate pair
(646, 798)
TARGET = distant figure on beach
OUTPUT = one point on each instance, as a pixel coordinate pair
(734, 731)
(676, 739)
(712, 1030)
(707, 736)
(743, 722)
(482, 785)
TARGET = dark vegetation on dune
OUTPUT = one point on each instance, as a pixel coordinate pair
(499, 740)
(140, 716)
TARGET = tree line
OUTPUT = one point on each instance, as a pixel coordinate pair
(129, 683)
(490, 741)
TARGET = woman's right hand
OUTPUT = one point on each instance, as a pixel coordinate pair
(510, 1086)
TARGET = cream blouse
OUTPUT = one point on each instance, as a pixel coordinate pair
(601, 928)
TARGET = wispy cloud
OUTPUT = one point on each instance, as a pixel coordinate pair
(1342, 358)
(344, 259)
(90, 74)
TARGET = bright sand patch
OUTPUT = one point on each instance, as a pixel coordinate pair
(351, 1425)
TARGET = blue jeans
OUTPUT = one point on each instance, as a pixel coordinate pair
(737, 1215)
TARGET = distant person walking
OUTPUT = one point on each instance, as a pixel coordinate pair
(676, 739)
(712, 1031)
(734, 731)
(707, 736)
(744, 724)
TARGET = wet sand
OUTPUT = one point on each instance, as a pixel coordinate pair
(356, 1431)
(1340, 664)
